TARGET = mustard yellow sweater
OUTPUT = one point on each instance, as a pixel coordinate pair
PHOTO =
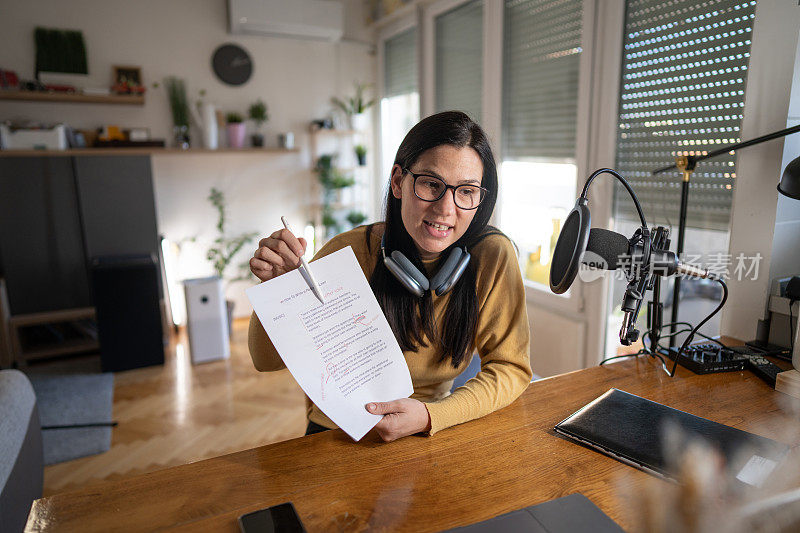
(502, 335)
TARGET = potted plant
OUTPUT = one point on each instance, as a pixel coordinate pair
(225, 248)
(332, 227)
(258, 114)
(361, 154)
(331, 178)
(178, 104)
(356, 218)
(355, 107)
(333, 181)
(236, 130)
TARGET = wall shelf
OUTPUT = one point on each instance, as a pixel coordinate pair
(333, 131)
(144, 151)
(37, 96)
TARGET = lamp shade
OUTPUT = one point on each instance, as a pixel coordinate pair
(790, 181)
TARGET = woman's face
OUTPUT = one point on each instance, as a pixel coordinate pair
(434, 226)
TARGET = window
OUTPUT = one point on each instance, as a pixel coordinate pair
(541, 60)
(459, 59)
(400, 100)
(683, 81)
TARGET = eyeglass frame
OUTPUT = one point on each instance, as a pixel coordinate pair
(446, 187)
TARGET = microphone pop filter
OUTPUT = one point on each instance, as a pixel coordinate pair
(570, 246)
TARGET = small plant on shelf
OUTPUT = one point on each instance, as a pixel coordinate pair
(355, 107)
(332, 226)
(258, 113)
(361, 154)
(331, 178)
(236, 129)
(179, 105)
(234, 118)
(356, 218)
(333, 181)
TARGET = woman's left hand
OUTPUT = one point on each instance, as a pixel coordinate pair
(400, 418)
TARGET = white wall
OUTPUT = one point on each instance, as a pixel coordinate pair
(296, 78)
(786, 242)
(758, 168)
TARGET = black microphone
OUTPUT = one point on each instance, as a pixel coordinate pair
(611, 250)
(611, 247)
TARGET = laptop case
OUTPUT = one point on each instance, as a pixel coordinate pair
(631, 429)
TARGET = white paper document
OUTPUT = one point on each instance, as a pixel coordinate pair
(343, 353)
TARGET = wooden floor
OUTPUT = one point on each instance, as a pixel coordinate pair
(180, 413)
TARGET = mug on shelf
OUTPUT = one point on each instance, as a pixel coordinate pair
(286, 140)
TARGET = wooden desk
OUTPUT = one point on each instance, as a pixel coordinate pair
(502, 462)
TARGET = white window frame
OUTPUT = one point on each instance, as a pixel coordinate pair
(572, 304)
(428, 74)
(598, 96)
(385, 33)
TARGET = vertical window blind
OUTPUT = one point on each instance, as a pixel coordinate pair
(400, 64)
(541, 53)
(459, 59)
(683, 82)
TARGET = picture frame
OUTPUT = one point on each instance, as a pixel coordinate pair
(127, 79)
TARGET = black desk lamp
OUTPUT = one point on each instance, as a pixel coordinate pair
(788, 186)
(790, 181)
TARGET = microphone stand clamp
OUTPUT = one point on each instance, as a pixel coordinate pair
(638, 274)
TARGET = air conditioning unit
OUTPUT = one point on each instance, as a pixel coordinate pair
(302, 19)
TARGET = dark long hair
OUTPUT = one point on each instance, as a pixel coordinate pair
(411, 318)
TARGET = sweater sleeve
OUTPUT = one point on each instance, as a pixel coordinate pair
(262, 351)
(502, 342)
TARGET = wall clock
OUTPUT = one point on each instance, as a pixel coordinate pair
(232, 64)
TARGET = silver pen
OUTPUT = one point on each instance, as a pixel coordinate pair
(312, 282)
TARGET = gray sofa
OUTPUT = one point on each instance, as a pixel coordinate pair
(21, 458)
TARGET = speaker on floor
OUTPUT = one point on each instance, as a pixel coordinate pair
(126, 298)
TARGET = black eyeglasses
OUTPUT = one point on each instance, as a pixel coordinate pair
(431, 189)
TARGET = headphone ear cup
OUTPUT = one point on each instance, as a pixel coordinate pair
(407, 281)
(447, 268)
(410, 270)
(451, 280)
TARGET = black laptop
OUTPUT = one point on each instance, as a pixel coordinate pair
(571, 514)
(631, 429)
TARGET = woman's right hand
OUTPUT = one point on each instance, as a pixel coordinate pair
(277, 254)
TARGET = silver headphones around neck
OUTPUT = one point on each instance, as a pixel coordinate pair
(415, 281)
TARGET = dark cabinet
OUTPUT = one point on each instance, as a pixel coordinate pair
(57, 213)
(117, 205)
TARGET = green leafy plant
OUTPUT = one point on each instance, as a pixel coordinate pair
(225, 248)
(176, 92)
(330, 177)
(356, 104)
(258, 112)
(234, 118)
(356, 217)
(328, 220)
(361, 154)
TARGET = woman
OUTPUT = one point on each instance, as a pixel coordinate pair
(443, 188)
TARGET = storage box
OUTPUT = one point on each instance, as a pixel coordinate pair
(38, 139)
